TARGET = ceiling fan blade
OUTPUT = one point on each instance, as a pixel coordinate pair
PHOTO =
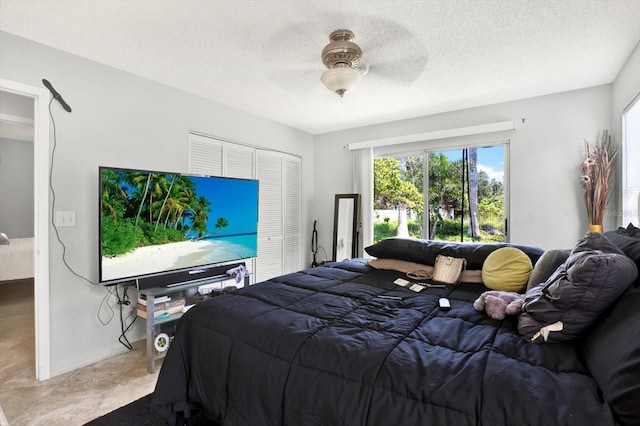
(403, 71)
(395, 53)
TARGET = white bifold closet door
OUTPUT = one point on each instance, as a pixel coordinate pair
(279, 214)
(292, 214)
(270, 173)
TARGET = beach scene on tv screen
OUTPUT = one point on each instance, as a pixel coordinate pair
(157, 222)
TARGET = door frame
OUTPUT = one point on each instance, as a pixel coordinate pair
(42, 164)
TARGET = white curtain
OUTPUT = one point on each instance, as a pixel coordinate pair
(363, 185)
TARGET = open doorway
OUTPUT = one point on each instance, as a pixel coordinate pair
(17, 248)
(17, 95)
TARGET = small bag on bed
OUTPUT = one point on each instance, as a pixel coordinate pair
(449, 270)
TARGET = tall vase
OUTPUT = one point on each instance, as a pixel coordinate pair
(595, 228)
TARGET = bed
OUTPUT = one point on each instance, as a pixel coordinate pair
(323, 346)
(17, 259)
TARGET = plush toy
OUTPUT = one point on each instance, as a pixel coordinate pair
(497, 304)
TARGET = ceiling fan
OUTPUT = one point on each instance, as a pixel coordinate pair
(390, 54)
(343, 59)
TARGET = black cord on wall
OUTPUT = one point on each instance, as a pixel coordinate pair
(126, 321)
(53, 200)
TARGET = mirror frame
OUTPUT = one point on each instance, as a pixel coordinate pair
(354, 225)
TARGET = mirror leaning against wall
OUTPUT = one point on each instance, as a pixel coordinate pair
(346, 225)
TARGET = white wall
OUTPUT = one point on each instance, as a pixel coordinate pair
(16, 105)
(120, 120)
(546, 196)
(16, 188)
(16, 167)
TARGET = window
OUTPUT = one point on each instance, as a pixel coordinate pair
(452, 194)
(631, 163)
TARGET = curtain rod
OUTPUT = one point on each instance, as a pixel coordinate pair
(499, 126)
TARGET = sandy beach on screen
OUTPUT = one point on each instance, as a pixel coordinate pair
(155, 258)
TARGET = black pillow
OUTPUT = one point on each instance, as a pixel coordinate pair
(594, 275)
(425, 251)
(633, 231)
(626, 242)
(612, 354)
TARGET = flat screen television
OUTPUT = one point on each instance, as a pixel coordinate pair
(157, 223)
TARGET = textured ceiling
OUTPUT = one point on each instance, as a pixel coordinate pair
(263, 56)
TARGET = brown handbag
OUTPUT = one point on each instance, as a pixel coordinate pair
(449, 270)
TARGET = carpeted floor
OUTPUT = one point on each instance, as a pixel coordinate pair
(139, 413)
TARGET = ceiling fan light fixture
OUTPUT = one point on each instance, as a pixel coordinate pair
(342, 58)
(340, 79)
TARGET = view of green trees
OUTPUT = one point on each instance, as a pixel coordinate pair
(398, 183)
(140, 209)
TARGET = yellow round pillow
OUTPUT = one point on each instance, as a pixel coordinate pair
(506, 269)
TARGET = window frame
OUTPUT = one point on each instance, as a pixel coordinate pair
(425, 148)
(630, 161)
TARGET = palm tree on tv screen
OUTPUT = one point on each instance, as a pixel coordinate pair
(221, 223)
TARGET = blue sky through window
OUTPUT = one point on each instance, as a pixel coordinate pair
(490, 160)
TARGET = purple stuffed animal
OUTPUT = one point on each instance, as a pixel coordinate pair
(497, 304)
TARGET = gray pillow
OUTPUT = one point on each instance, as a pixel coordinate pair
(594, 275)
(547, 265)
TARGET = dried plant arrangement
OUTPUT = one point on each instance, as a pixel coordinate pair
(596, 172)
